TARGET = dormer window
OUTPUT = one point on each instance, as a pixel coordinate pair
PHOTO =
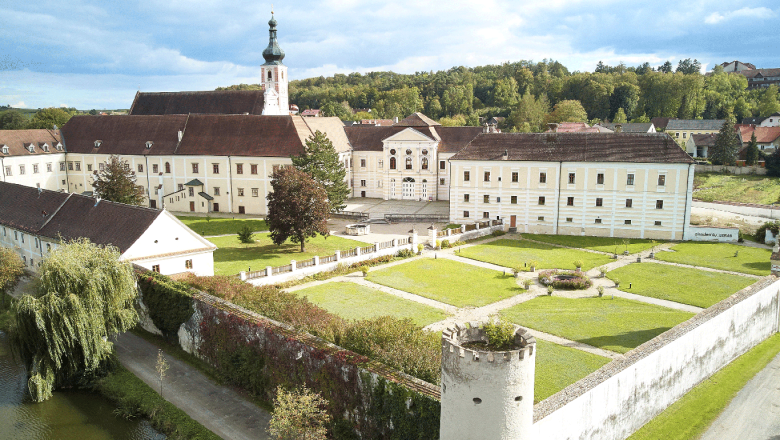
(149, 144)
(59, 147)
(98, 143)
(45, 147)
(5, 149)
(31, 148)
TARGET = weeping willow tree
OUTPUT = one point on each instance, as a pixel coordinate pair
(84, 296)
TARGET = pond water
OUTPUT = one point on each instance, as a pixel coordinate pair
(69, 415)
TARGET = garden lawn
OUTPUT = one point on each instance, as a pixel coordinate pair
(353, 301)
(512, 253)
(220, 226)
(711, 187)
(609, 245)
(612, 324)
(447, 281)
(684, 285)
(558, 367)
(233, 256)
(754, 261)
(690, 416)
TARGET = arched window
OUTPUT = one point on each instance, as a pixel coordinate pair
(425, 163)
(408, 163)
(168, 167)
(269, 75)
(392, 163)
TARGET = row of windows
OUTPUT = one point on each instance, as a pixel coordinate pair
(598, 221)
(659, 204)
(408, 163)
(572, 178)
(20, 235)
(22, 169)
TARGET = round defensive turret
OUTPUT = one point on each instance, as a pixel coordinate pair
(486, 394)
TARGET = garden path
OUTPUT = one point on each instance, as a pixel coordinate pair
(708, 269)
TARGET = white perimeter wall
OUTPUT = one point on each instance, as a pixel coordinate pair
(624, 402)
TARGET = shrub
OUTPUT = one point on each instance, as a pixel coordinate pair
(576, 280)
(617, 282)
(420, 247)
(601, 290)
(500, 334)
(445, 244)
(550, 290)
(527, 284)
(438, 244)
(404, 253)
(533, 263)
(578, 263)
(245, 235)
(497, 233)
(760, 235)
(516, 270)
(364, 269)
(459, 243)
(299, 415)
(603, 271)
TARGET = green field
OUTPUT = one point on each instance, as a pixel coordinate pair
(353, 301)
(711, 187)
(512, 253)
(447, 281)
(233, 256)
(689, 417)
(609, 245)
(750, 260)
(684, 285)
(220, 226)
(558, 367)
(612, 324)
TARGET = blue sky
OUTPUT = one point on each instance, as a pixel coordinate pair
(97, 54)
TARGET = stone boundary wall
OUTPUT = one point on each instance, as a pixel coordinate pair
(321, 366)
(616, 400)
(733, 170)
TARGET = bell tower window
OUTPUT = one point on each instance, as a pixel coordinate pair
(269, 75)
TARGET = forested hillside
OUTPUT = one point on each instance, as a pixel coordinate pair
(531, 94)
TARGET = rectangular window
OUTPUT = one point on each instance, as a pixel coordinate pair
(513, 200)
(48, 167)
(253, 168)
(466, 176)
(485, 215)
(188, 264)
(194, 168)
(62, 166)
(498, 199)
(215, 168)
(486, 199)
(542, 177)
(465, 197)
(191, 191)
(362, 163)
(570, 201)
(487, 176)
(216, 190)
(442, 164)
(598, 220)
(155, 168)
(571, 178)
(21, 169)
(465, 214)
(156, 268)
(599, 201)
(255, 192)
(78, 166)
(627, 222)
(541, 200)
(363, 183)
(600, 179)
(629, 203)
(89, 167)
(630, 180)
(239, 168)
(441, 181)
(569, 219)
(540, 218)
(657, 223)
(8, 171)
(661, 179)
(659, 204)
(380, 164)
(181, 186)
(140, 168)
(515, 176)
(101, 166)
(241, 192)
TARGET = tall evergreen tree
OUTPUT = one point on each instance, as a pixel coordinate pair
(727, 145)
(751, 153)
(116, 183)
(321, 161)
(297, 207)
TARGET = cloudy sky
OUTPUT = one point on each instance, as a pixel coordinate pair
(97, 54)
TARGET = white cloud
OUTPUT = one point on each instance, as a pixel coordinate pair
(754, 13)
(19, 104)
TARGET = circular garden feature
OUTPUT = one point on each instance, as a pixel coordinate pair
(565, 279)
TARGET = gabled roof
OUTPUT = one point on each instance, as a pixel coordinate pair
(575, 147)
(753, 121)
(194, 182)
(68, 216)
(704, 140)
(416, 120)
(695, 124)
(333, 127)
(759, 73)
(630, 127)
(226, 102)
(451, 139)
(18, 140)
(123, 134)
(240, 135)
(660, 122)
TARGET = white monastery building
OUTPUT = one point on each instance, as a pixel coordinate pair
(34, 221)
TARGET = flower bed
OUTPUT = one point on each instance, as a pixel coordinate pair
(565, 279)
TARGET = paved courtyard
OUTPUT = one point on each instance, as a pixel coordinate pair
(377, 208)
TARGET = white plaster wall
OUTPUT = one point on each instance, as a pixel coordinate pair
(202, 263)
(165, 235)
(623, 403)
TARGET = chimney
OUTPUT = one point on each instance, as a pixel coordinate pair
(395, 120)
(181, 133)
(506, 155)
(553, 127)
(618, 128)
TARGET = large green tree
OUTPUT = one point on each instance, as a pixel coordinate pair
(529, 114)
(298, 207)
(85, 295)
(727, 144)
(320, 160)
(11, 268)
(568, 111)
(116, 182)
(48, 118)
(12, 120)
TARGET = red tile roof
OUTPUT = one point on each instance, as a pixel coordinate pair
(18, 140)
(123, 134)
(575, 147)
(416, 120)
(764, 135)
(451, 139)
(240, 135)
(226, 102)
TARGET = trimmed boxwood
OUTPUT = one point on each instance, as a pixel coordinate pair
(579, 282)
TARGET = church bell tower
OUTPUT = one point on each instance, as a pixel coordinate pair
(274, 75)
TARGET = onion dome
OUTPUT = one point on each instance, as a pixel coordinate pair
(273, 54)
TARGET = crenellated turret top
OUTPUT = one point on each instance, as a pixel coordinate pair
(273, 54)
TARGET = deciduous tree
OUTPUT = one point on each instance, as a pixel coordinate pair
(297, 207)
(116, 182)
(321, 161)
(727, 144)
(299, 415)
(49, 117)
(11, 268)
(12, 120)
(84, 296)
(568, 111)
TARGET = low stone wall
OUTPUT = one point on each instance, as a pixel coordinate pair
(619, 398)
(733, 170)
(367, 397)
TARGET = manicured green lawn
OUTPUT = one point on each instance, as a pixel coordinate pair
(451, 282)
(684, 285)
(754, 261)
(609, 245)
(233, 256)
(511, 253)
(711, 187)
(612, 324)
(558, 367)
(689, 417)
(220, 226)
(353, 301)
